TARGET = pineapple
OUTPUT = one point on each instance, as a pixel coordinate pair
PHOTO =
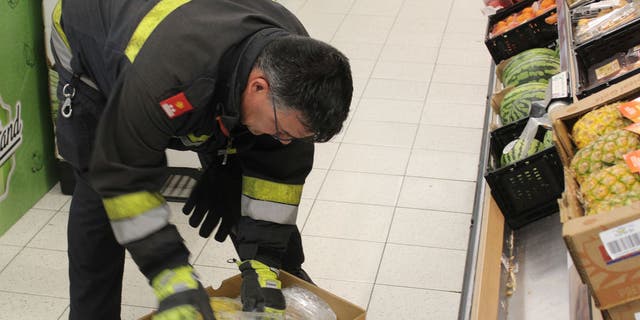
(606, 151)
(607, 205)
(596, 123)
(610, 187)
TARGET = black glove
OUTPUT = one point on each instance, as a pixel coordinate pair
(216, 197)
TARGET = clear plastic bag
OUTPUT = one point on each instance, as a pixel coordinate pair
(303, 304)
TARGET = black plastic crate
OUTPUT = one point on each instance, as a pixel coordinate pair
(526, 190)
(605, 46)
(533, 34)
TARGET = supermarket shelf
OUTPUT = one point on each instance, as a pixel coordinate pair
(545, 284)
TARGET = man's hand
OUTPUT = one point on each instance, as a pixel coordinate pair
(261, 289)
(181, 296)
(216, 197)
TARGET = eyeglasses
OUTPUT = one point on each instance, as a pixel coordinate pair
(281, 136)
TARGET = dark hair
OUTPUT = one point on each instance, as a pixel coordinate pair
(310, 76)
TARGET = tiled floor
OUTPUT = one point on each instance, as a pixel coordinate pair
(385, 215)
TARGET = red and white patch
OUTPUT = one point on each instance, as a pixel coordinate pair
(176, 105)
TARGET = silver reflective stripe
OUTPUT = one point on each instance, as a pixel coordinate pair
(129, 230)
(64, 56)
(269, 211)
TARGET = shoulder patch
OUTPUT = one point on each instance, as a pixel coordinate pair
(176, 105)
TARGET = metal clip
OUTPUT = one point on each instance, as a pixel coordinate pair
(68, 92)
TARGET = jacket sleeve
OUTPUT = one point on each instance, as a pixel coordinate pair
(128, 169)
(272, 183)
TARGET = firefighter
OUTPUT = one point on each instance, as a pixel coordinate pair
(240, 83)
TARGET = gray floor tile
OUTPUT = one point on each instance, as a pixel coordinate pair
(30, 307)
(37, 272)
(422, 267)
(389, 302)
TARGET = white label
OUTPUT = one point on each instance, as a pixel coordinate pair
(622, 240)
(559, 86)
(637, 315)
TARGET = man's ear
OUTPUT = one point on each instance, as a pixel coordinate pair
(257, 81)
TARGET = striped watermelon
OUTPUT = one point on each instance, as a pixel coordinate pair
(548, 140)
(516, 104)
(534, 65)
(514, 151)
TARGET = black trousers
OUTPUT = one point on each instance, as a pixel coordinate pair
(96, 259)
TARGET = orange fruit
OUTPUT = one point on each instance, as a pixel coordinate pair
(552, 19)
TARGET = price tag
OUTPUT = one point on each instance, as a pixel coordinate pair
(559, 86)
(631, 110)
(608, 69)
(633, 160)
(622, 240)
(635, 128)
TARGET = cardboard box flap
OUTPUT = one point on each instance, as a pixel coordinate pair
(602, 221)
(497, 98)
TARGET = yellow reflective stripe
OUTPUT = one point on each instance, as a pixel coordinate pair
(149, 23)
(271, 191)
(201, 138)
(267, 277)
(272, 311)
(132, 204)
(56, 16)
(172, 281)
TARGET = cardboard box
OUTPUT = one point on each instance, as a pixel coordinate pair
(613, 283)
(344, 309)
(628, 311)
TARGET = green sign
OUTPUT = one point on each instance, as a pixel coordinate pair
(27, 167)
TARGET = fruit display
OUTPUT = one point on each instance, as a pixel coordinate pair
(533, 65)
(603, 138)
(597, 19)
(536, 9)
(609, 188)
(516, 104)
(597, 123)
(606, 151)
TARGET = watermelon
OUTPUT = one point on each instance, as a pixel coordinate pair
(527, 55)
(547, 142)
(516, 104)
(537, 69)
(533, 65)
(514, 151)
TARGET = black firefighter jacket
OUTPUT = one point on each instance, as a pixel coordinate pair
(173, 72)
